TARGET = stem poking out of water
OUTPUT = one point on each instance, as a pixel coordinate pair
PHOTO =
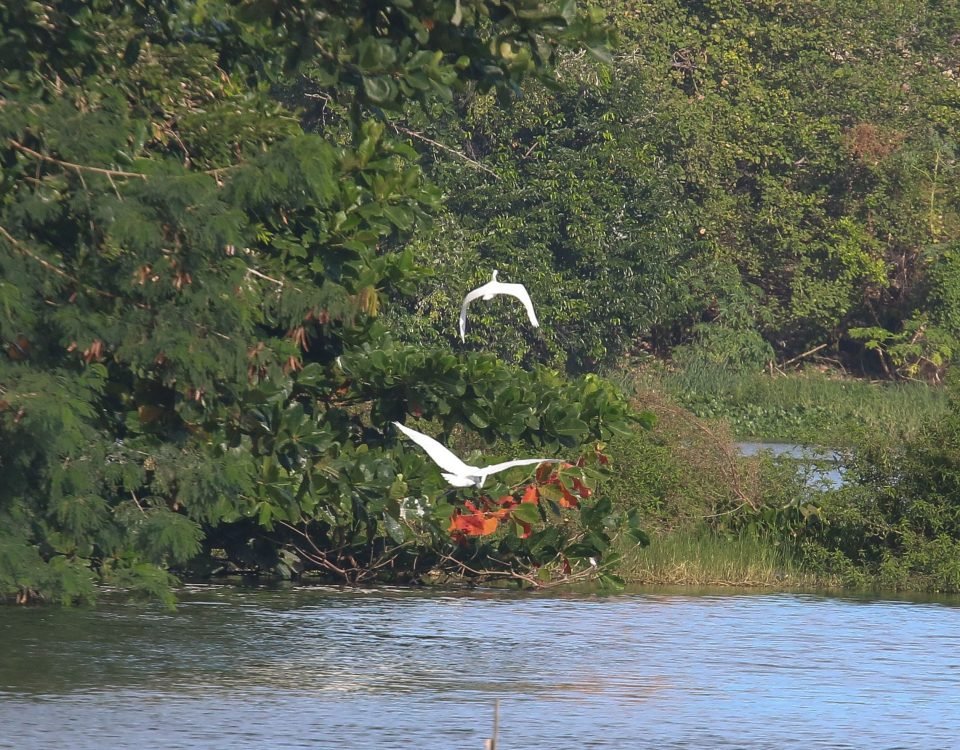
(491, 744)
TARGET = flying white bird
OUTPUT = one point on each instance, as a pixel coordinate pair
(455, 471)
(488, 291)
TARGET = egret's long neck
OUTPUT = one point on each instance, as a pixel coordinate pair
(494, 278)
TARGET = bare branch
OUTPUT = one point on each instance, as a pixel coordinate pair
(442, 147)
(21, 248)
(79, 168)
(255, 272)
(319, 557)
(805, 354)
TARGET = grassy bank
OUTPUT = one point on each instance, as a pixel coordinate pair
(808, 407)
(714, 517)
(718, 518)
(699, 557)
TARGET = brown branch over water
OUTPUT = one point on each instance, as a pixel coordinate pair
(513, 575)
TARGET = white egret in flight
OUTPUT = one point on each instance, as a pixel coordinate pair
(488, 291)
(455, 471)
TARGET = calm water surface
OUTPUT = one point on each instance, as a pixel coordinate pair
(318, 668)
(822, 467)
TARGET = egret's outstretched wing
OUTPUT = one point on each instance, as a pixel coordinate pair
(471, 296)
(520, 292)
(495, 468)
(458, 481)
(439, 454)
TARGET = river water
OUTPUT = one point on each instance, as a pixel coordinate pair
(822, 468)
(321, 668)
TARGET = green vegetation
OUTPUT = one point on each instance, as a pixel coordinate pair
(702, 558)
(234, 235)
(713, 516)
(745, 183)
(717, 517)
(202, 212)
(810, 407)
(897, 522)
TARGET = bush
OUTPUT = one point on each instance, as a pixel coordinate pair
(682, 473)
(898, 520)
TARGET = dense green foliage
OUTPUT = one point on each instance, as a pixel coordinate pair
(745, 181)
(811, 407)
(896, 523)
(234, 235)
(182, 265)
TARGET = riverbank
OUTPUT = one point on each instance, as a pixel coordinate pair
(699, 557)
(718, 517)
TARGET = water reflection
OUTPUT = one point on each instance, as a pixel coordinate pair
(823, 467)
(397, 669)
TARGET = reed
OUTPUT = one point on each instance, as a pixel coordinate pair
(700, 557)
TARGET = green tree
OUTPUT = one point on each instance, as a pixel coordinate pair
(562, 192)
(196, 376)
(812, 137)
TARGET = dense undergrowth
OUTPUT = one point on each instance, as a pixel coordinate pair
(717, 517)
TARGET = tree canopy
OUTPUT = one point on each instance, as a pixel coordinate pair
(203, 212)
(744, 182)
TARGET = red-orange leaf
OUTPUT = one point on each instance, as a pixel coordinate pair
(531, 494)
(489, 526)
(543, 472)
(569, 500)
(581, 488)
(474, 524)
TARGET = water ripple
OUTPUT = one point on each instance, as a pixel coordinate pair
(397, 669)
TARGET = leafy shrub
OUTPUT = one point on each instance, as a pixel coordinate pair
(898, 519)
(735, 351)
(682, 473)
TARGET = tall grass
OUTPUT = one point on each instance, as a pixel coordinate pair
(700, 557)
(805, 408)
